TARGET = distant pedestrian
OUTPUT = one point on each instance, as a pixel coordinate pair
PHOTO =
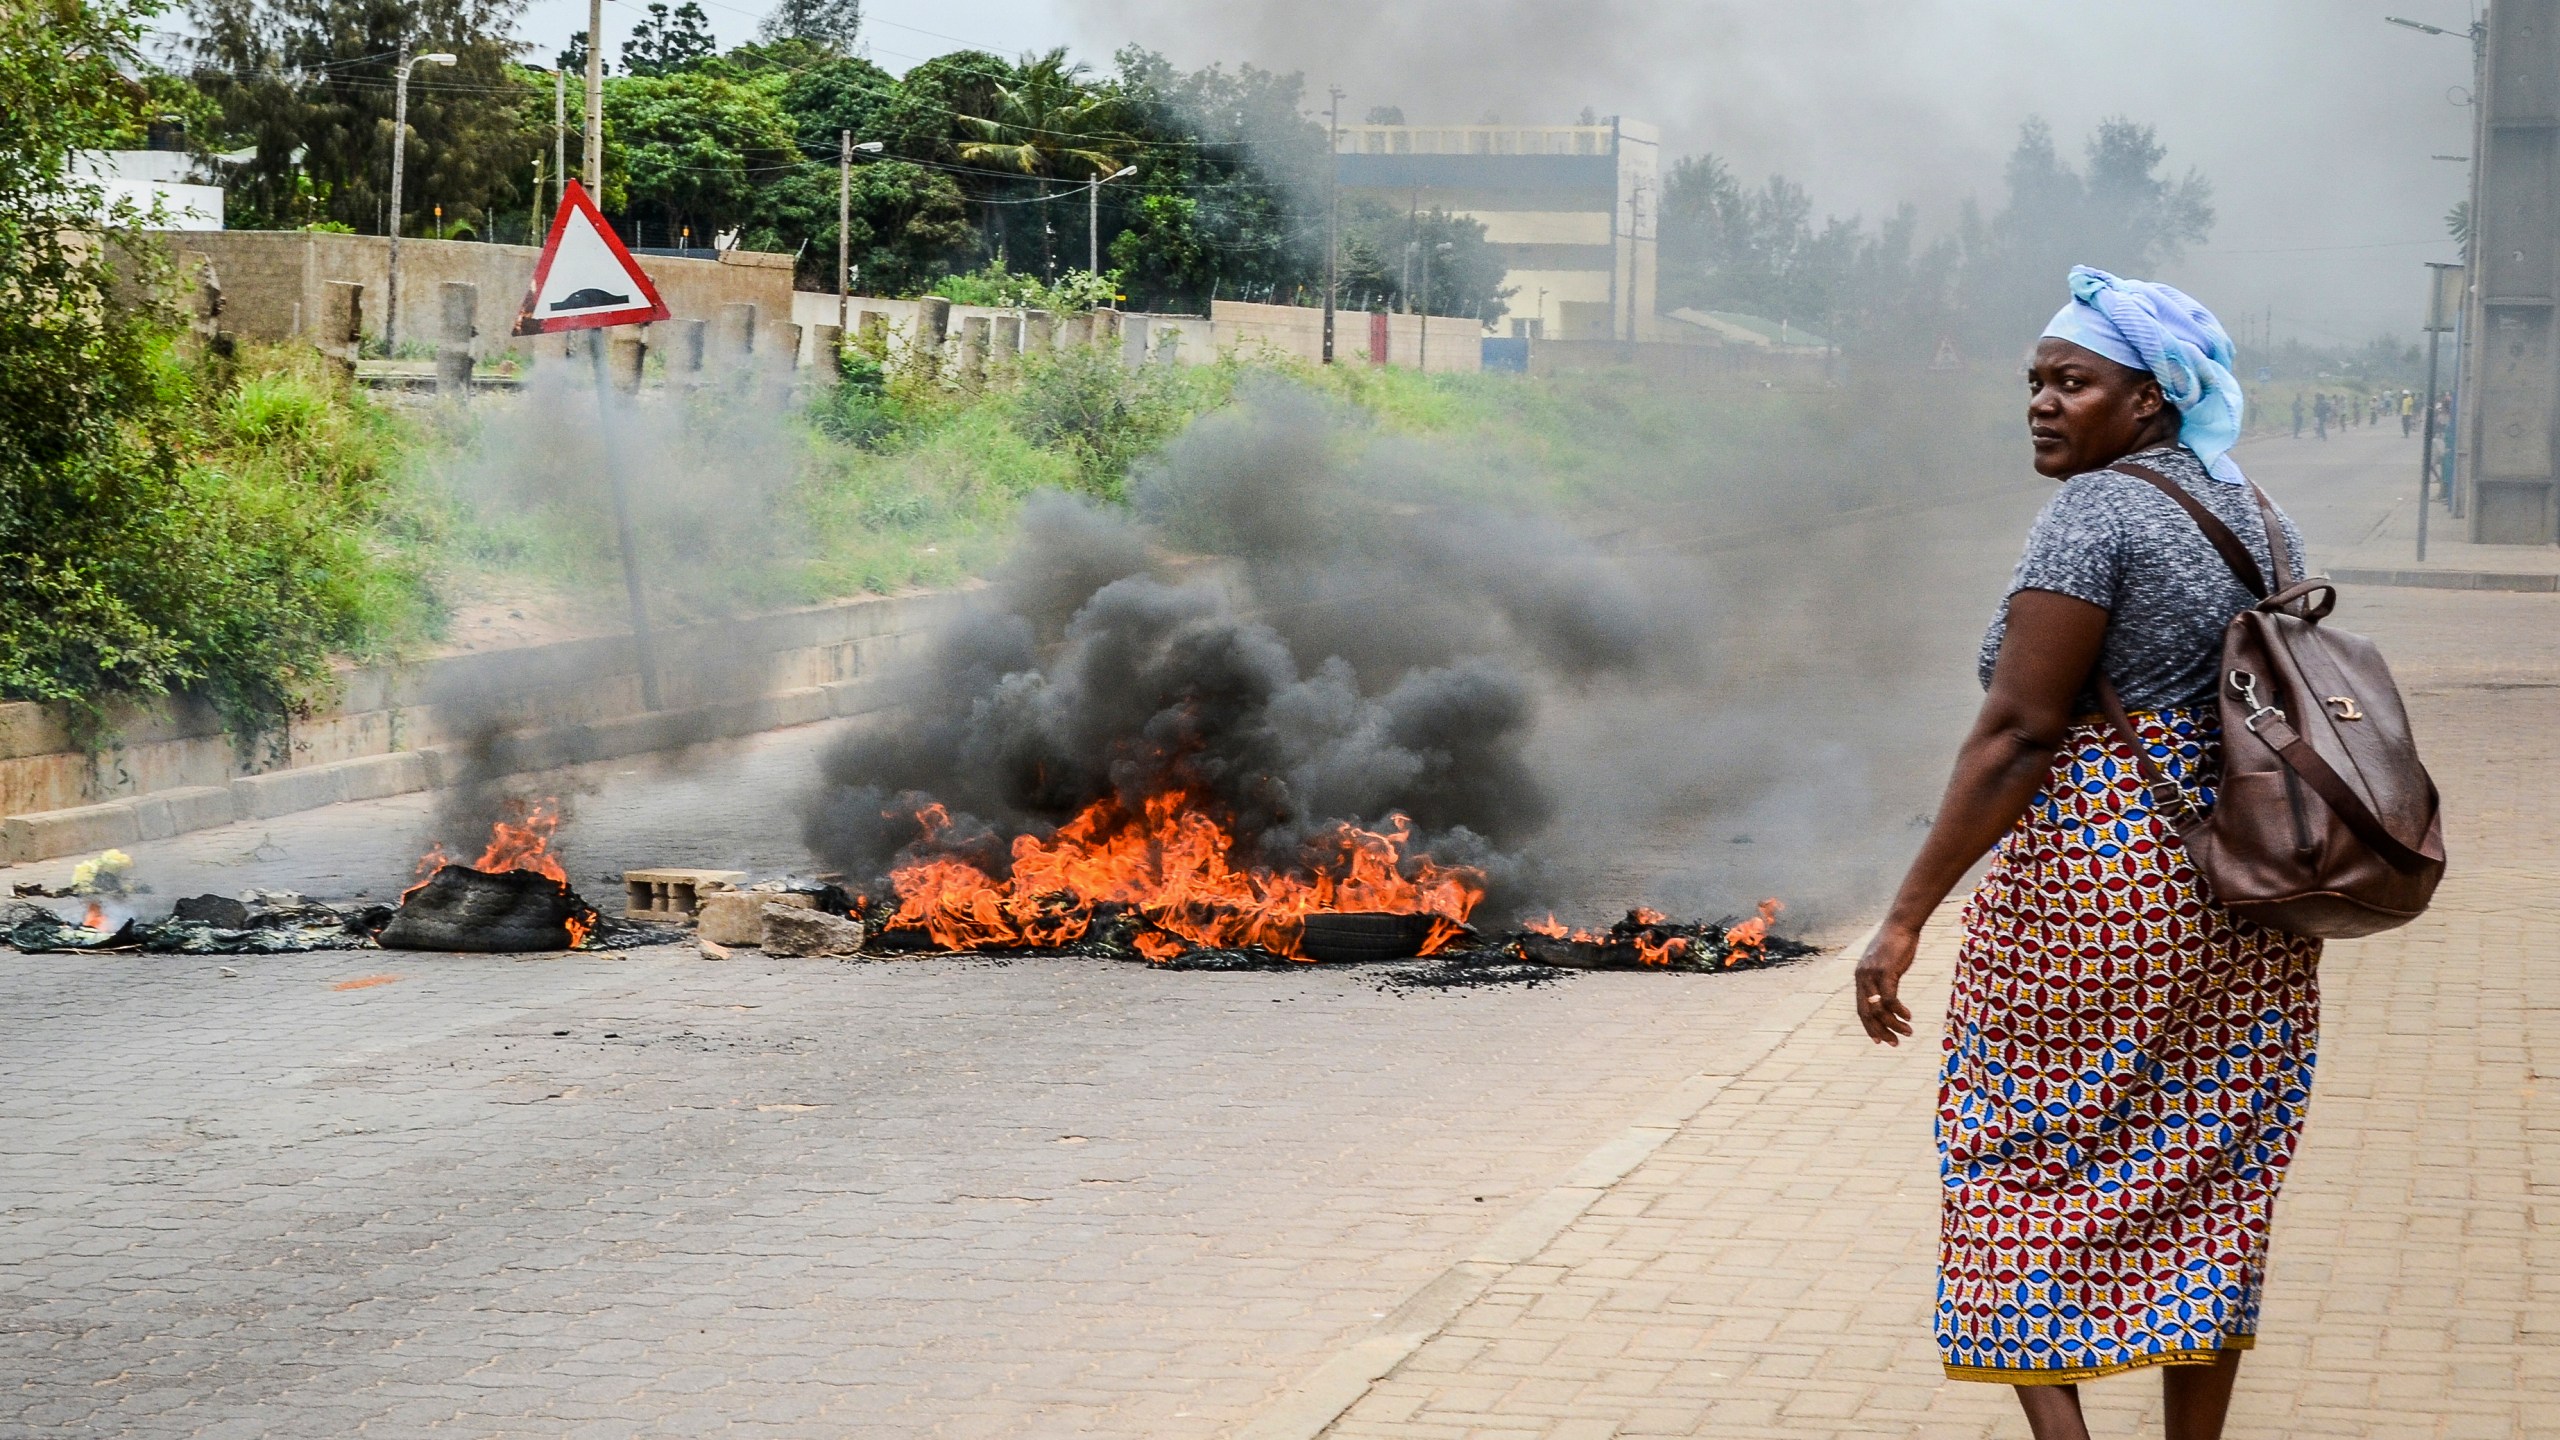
(2297, 414)
(2320, 416)
(2408, 413)
(2119, 1097)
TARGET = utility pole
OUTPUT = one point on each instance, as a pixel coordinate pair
(1093, 216)
(2445, 286)
(399, 161)
(533, 218)
(844, 232)
(1635, 259)
(559, 133)
(1332, 213)
(595, 101)
(1422, 362)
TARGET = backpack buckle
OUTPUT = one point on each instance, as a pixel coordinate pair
(2245, 685)
(2170, 801)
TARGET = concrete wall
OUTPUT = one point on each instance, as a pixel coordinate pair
(1717, 365)
(1298, 330)
(397, 728)
(272, 281)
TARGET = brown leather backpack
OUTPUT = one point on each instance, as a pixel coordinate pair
(2325, 824)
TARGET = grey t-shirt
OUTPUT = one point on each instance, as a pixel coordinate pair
(2114, 541)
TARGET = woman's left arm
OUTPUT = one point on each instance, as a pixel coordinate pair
(2051, 646)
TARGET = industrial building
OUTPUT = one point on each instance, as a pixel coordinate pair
(1570, 209)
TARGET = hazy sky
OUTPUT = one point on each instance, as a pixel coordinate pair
(2314, 120)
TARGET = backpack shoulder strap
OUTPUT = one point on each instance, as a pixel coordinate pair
(2244, 566)
(2276, 546)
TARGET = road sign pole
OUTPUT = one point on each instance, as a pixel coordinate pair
(2427, 447)
(641, 644)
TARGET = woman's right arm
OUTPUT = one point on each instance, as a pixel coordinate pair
(2050, 649)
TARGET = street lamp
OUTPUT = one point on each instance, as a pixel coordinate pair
(844, 224)
(2477, 32)
(1093, 215)
(399, 157)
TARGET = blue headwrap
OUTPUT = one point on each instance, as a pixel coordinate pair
(2160, 331)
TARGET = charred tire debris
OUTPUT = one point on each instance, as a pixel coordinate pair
(460, 910)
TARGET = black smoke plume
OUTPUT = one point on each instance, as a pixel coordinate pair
(1354, 650)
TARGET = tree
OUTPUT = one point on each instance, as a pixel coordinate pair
(309, 84)
(698, 148)
(909, 228)
(126, 569)
(1383, 244)
(1046, 123)
(663, 45)
(2118, 213)
(1223, 204)
(831, 25)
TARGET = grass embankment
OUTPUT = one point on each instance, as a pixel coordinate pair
(311, 519)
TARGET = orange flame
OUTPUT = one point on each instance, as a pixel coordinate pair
(1652, 952)
(1748, 938)
(96, 919)
(1173, 865)
(520, 843)
(1554, 929)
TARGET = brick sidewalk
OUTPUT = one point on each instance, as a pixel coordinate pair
(1768, 1270)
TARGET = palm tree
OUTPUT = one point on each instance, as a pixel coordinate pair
(1048, 124)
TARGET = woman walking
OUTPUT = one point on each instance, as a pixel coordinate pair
(2126, 1065)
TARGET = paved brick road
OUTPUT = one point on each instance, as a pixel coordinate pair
(953, 1198)
(1768, 1270)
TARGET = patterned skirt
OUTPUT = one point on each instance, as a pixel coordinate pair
(2126, 1072)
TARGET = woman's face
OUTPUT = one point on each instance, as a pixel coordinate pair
(2085, 411)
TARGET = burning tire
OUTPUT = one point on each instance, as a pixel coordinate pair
(1349, 937)
(489, 913)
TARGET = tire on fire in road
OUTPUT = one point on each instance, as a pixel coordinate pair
(1347, 937)
(485, 913)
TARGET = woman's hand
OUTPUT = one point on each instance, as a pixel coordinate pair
(2052, 646)
(1878, 987)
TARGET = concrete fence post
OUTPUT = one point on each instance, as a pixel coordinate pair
(735, 346)
(1039, 331)
(873, 330)
(826, 353)
(457, 324)
(690, 335)
(1133, 340)
(626, 356)
(973, 349)
(341, 322)
(933, 324)
(1006, 339)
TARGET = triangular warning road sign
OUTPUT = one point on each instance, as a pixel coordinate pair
(585, 280)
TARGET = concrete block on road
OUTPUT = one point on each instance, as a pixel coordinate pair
(283, 792)
(176, 812)
(375, 776)
(736, 917)
(76, 831)
(794, 930)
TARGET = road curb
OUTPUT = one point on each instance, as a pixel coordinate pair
(86, 829)
(1325, 1394)
(2524, 581)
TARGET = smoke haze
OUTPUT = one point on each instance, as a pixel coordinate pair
(2315, 121)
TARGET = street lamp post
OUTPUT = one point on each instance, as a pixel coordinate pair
(844, 226)
(1093, 215)
(2478, 34)
(399, 158)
